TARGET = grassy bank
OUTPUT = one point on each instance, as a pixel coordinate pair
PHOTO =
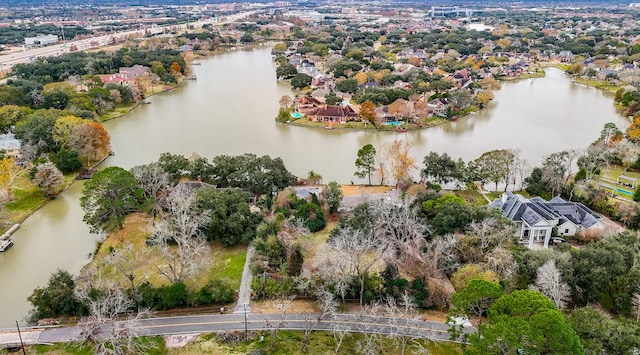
(305, 122)
(598, 84)
(287, 342)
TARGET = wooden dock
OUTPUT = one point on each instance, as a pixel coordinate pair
(85, 174)
(5, 239)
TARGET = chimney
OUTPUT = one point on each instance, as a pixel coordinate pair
(199, 178)
(504, 198)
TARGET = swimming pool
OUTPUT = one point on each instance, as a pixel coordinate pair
(296, 115)
(624, 192)
(395, 123)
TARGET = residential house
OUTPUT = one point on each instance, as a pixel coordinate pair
(305, 104)
(332, 113)
(125, 75)
(536, 218)
(437, 106)
(565, 56)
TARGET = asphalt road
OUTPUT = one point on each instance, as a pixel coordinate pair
(9, 60)
(236, 322)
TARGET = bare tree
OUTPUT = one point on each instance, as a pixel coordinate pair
(628, 212)
(491, 233)
(30, 150)
(112, 325)
(327, 305)
(628, 152)
(274, 328)
(402, 321)
(182, 227)
(501, 261)
(151, 177)
(636, 304)
(48, 178)
(355, 253)
(128, 260)
(555, 170)
(593, 159)
(549, 282)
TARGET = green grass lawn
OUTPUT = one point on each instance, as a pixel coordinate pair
(598, 84)
(610, 176)
(289, 342)
(152, 346)
(224, 264)
(118, 111)
(471, 196)
(26, 199)
(228, 264)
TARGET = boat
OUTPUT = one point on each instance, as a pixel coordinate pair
(401, 129)
(5, 244)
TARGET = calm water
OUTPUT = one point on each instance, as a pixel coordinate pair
(230, 109)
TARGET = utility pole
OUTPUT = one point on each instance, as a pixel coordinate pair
(246, 335)
(20, 336)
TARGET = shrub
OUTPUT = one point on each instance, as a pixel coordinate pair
(312, 216)
(172, 296)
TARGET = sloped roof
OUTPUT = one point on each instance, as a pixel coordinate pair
(333, 111)
(517, 208)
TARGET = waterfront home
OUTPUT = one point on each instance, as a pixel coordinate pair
(125, 75)
(332, 113)
(536, 218)
(305, 104)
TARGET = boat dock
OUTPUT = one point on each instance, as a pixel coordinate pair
(5, 239)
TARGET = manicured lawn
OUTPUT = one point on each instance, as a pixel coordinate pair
(228, 263)
(610, 177)
(471, 196)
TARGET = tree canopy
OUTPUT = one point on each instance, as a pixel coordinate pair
(110, 195)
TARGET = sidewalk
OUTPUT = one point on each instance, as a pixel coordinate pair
(244, 294)
(12, 339)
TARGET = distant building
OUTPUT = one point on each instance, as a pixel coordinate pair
(449, 11)
(40, 40)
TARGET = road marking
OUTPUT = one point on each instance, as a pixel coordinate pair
(240, 321)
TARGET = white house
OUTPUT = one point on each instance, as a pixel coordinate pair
(535, 218)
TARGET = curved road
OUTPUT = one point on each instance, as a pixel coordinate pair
(227, 322)
(9, 60)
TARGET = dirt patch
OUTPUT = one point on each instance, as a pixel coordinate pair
(179, 340)
(434, 315)
(135, 230)
(355, 190)
(276, 306)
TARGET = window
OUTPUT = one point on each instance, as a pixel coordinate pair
(566, 231)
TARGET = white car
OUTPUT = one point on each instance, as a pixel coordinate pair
(459, 320)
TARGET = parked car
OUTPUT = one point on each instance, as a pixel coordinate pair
(557, 240)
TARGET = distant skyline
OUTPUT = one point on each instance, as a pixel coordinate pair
(606, 3)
